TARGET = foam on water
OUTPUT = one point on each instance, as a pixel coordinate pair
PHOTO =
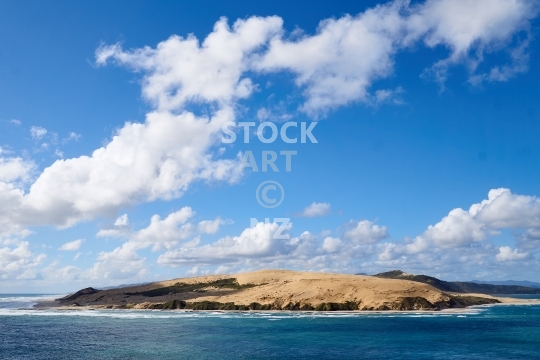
(21, 305)
(26, 301)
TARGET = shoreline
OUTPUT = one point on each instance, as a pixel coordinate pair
(49, 306)
(279, 290)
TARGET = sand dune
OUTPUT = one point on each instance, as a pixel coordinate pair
(276, 290)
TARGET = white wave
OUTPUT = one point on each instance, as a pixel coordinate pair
(17, 301)
(168, 314)
(29, 298)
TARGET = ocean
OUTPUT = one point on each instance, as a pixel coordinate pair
(490, 332)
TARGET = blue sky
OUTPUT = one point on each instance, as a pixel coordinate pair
(423, 109)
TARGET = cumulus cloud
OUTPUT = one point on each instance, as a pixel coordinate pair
(173, 148)
(316, 210)
(144, 162)
(162, 233)
(121, 263)
(160, 158)
(259, 246)
(463, 235)
(19, 262)
(501, 210)
(183, 70)
(258, 241)
(341, 61)
(332, 245)
(507, 254)
(14, 169)
(470, 29)
(72, 245)
(365, 232)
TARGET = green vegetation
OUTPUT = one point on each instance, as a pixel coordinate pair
(406, 303)
(331, 306)
(474, 300)
(214, 305)
(415, 303)
(178, 288)
(456, 286)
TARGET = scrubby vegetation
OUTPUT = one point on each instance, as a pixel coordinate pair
(415, 303)
(214, 305)
(406, 303)
(178, 288)
(331, 306)
(474, 300)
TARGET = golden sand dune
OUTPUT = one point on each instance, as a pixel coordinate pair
(276, 290)
(284, 286)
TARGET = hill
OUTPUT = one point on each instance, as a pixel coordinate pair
(459, 287)
(530, 284)
(275, 290)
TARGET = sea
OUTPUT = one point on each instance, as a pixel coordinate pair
(486, 332)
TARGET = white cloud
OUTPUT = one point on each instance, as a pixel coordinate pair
(183, 70)
(316, 210)
(458, 228)
(529, 240)
(73, 136)
(462, 237)
(19, 262)
(501, 210)
(122, 220)
(365, 232)
(143, 162)
(341, 61)
(332, 245)
(173, 148)
(15, 122)
(15, 169)
(162, 233)
(507, 254)
(470, 29)
(72, 245)
(37, 132)
(121, 263)
(255, 242)
(257, 247)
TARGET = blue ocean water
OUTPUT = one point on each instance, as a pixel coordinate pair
(496, 332)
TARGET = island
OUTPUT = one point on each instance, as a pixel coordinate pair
(281, 290)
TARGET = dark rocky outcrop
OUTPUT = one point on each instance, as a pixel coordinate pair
(72, 297)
